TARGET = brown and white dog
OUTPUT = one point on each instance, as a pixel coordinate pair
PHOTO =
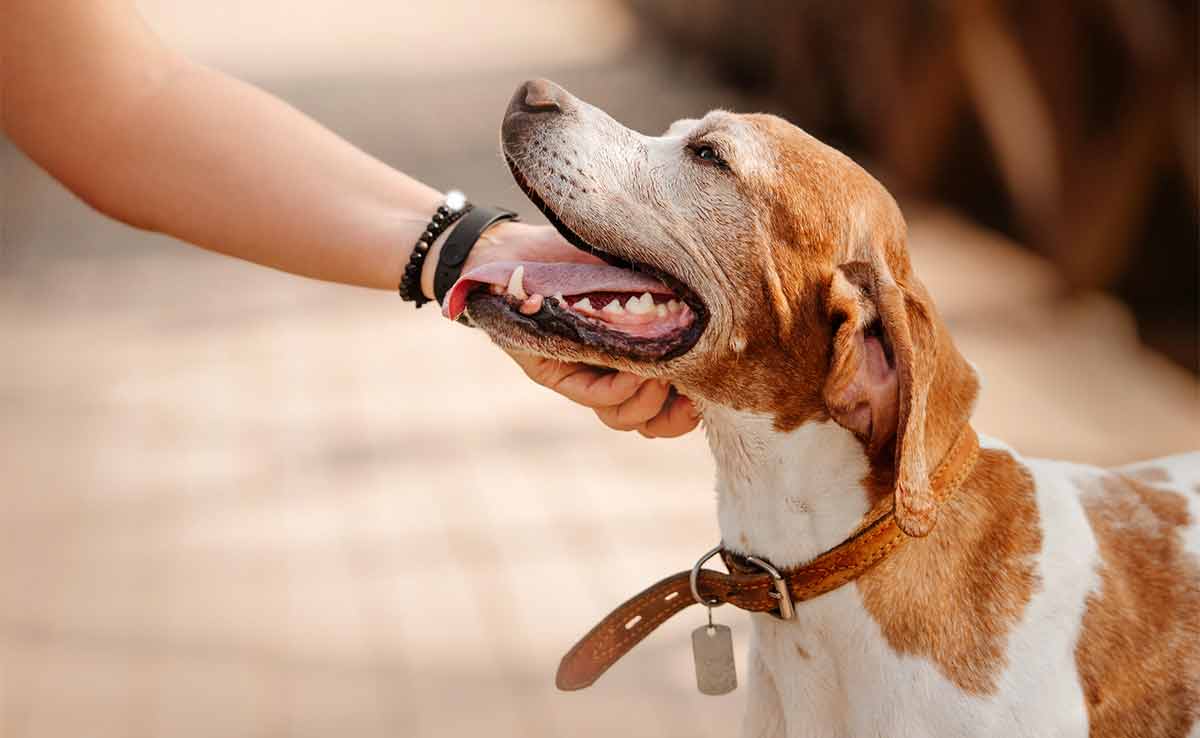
(767, 276)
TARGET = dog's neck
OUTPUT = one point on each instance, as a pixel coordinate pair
(785, 496)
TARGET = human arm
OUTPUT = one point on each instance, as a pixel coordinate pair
(145, 136)
(91, 94)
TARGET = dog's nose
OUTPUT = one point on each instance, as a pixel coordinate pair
(538, 96)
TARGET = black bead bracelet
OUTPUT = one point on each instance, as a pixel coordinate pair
(447, 214)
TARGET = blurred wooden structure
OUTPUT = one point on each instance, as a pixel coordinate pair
(1071, 125)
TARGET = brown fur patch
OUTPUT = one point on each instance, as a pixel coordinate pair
(1151, 474)
(803, 235)
(824, 214)
(1139, 651)
(954, 596)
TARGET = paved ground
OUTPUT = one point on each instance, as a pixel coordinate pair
(225, 512)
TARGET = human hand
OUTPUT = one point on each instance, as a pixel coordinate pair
(622, 401)
(511, 240)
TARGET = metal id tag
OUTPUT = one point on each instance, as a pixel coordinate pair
(712, 648)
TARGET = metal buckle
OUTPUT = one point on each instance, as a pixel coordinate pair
(714, 602)
(786, 610)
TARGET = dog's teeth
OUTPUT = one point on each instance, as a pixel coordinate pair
(641, 306)
(584, 304)
(496, 289)
(558, 296)
(614, 307)
(637, 307)
(660, 311)
(531, 305)
(674, 306)
(516, 286)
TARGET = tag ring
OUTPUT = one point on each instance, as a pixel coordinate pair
(714, 602)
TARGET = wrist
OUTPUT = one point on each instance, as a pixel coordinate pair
(495, 244)
(453, 242)
(474, 234)
(429, 268)
(443, 220)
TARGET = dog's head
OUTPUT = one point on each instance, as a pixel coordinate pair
(754, 266)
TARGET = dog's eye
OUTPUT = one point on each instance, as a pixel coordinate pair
(704, 152)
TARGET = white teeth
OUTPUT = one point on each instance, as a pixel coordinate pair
(640, 306)
(674, 306)
(614, 307)
(516, 288)
(584, 304)
(558, 296)
(531, 305)
(660, 311)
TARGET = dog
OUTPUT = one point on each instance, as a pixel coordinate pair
(766, 275)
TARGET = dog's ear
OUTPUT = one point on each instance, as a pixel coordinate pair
(882, 363)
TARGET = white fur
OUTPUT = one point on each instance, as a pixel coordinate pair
(815, 470)
(789, 496)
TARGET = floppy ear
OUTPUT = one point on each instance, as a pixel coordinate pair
(883, 358)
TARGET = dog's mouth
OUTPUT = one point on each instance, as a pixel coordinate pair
(622, 308)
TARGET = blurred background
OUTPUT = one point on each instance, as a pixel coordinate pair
(226, 512)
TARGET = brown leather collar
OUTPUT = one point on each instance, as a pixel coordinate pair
(748, 587)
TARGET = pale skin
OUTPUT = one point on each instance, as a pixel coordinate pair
(93, 96)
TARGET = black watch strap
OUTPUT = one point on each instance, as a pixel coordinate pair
(459, 244)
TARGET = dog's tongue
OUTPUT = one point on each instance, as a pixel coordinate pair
(550, 279)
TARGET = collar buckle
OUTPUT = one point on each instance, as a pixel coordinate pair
(782, 594)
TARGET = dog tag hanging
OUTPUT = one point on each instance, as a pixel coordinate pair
(712, 649)
(712, 645)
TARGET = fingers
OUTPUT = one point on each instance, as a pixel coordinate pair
(633, 413)
(677, 417)
(622, 401)
(597, 389)
(580, 383)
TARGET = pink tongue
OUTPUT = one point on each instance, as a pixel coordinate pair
(551, 279)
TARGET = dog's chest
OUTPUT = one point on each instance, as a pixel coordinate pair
(843, 667)
(788, 497)
(832, 673)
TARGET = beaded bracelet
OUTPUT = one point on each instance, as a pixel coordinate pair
(455, 207)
